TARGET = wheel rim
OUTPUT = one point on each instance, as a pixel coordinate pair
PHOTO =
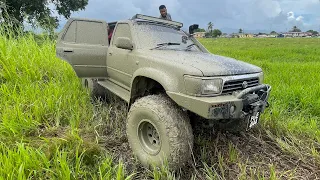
(149, 137)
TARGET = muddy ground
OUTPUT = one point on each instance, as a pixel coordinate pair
(217, 154)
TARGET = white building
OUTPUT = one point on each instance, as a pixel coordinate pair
(296, 34)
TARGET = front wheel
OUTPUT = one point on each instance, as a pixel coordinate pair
(159, 131)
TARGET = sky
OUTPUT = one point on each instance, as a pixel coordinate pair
(227, 15)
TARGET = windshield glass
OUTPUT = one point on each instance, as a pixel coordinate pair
(149, 36)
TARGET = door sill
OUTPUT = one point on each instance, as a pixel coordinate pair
(116, 89)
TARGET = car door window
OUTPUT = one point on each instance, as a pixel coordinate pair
(122, 30)
(70, 35)
(90, 33)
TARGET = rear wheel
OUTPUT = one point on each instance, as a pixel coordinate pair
(159, 131)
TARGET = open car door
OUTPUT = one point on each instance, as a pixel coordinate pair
(83, 43)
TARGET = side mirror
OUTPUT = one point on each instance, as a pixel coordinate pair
(124, 43)
(192, 28)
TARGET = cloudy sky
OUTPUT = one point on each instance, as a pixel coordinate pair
(227, 15)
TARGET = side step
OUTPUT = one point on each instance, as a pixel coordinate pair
(116, 89)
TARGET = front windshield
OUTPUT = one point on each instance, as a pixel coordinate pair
(150, 35)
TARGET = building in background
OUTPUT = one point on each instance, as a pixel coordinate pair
(297, 34)
(242, 35)
(199, 34)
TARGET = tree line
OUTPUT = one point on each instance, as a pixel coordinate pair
(210, 32)
(14, 13)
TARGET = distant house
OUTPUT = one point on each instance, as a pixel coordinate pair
(225, 35)
(199, 34)
(261, 36)
(266, 35)
(242, 35)
(296, 34)
(272, 35)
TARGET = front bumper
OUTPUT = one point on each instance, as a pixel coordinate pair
(236, 106)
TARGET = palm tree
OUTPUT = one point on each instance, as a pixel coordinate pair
(210, 26)
(295, 29)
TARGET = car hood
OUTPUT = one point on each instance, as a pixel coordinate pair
(209, 64)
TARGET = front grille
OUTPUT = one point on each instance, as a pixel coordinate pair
(235, 85)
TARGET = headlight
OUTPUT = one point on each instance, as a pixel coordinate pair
(212, 86)
(197, 86)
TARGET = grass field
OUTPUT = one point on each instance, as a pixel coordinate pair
(291, 68)
(50, 129)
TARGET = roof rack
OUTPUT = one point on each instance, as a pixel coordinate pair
(155, 19)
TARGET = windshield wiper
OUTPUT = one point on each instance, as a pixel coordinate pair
(189, 46)
(164, 44)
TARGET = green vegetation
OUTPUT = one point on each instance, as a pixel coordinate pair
(291, 67)
(15, 12)
(216, 33)
(313, 32)
(295, 29)
(44, 116)
(200, 30)
(50, 129)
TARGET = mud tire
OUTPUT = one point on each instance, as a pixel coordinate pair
(172, 125)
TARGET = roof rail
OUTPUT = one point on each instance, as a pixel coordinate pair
(155, 19)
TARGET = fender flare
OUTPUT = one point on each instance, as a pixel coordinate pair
(169, 83)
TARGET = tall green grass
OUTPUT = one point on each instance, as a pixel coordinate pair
(42, 110)
(291, 67)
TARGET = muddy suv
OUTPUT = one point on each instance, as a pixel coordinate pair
(164, 74)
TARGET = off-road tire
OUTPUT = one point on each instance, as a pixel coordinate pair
(172, 125)
(96, 90)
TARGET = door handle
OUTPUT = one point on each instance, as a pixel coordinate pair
(67, 50)
(110, 51)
